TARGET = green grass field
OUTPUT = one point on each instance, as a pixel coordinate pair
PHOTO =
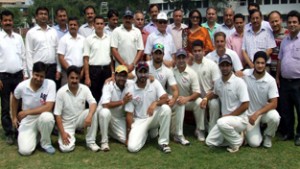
(283, 155)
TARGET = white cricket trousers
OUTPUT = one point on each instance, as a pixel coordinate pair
(178, 116)
(113, 125)
(227, 131)
(253, 134)
(214, 113)
(77, 123)
(161, 119)
(29, 130)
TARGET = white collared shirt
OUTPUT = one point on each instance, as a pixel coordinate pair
(228, 31)
(85, 30)
(260, 91)
(33, 99)
(12, 53)
(72, 49)
(232, 93)
(208, 72)
(142, 98)
(68, 105)
(97, 49)
(187, 81)
(127, 42)
(236, 62)
(164, 39)
(41, 45)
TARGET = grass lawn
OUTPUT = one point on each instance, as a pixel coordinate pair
(283, 155)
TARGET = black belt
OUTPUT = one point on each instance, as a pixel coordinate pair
(11, 75)
(100, 67)
(291, 80)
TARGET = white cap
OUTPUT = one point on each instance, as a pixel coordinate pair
(162, 16)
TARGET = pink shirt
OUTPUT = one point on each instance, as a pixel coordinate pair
(234, 42)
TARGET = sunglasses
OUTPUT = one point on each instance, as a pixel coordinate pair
(195, 17)
(162, 22)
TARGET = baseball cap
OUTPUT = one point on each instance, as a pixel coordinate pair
(121, 68)
(157, 47)
(181, 52)
(225, 58)
(162, 16)
(142, 65)
(128, 13)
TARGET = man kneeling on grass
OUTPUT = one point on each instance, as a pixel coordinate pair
(147, 110)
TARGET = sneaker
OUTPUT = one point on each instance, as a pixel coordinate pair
(233, 148)
(10, 140)
(181, 140)
(50, 149)
(93, 146)
(105, 147)
(200, 135)
(165, 148)
(267, 142)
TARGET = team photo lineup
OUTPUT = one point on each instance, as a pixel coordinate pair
(120, 77)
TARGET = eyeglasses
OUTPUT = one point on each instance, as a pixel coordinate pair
(162, 22)
(195, 17)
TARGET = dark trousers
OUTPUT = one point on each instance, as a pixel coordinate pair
(98, 75)
(10, 82)
(51, 74)
(289, 93)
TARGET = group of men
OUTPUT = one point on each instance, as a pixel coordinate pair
(62, 70)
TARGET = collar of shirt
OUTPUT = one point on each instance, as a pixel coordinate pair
(297, 37)
(151, 24)
(261, 29)
(182, 26)
(96, 36)
(159, 33)
(6, 35)
(152, 65)
(230, 80)
(237, 34)
(58, 28)
(40, 28)
(28, 85)
(71, 37)
(122, 27)
(225, 26)
(263, 79)
(78, 91)
(138, 88)
(206, 25)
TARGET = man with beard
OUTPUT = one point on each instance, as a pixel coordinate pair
(147, 110)
(235, 41)
(263, 95)
(207, 72)
(257, 38)
(61, 18)
(36, 118)
(211, 24)
(88, 28)
(233, 94)
(70, 49)
(153, 12)
(288, 78)
(113, 17)
(112, 120)
(12, 69)
(127, 43)
(227, 27)
(70, 112)
(188, 99)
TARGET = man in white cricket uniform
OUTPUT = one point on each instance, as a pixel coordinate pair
(70, 113)
(36, 118)
(263, 94)
(147, 110)
(208, 72)
(234, 97)
(189, 97)
(112, 117)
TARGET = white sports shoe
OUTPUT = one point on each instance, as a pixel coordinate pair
(233, 148)
(267, 141)
(105, 147)
(200, 135)
(181, 140)
(93, 146)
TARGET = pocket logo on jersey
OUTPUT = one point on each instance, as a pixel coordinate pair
(137, 100)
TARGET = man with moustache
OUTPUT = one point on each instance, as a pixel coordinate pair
(176, 28)
(70, 49)
(153, 12)
(235, 41)
(207, 72)
(113, 17)
(61, 18)
(263, 95)
(35, 120)
(112, 119)
(97, 60)
(147, 110)
(41, 46)
(288, 78)
(233, 94)
(211, 24)
(70, 113)
(279, 33)
(139, 22)
(228, 26)
(88, 28)
(12, 69)
(127, 43)
(251, 7)
(263, 41)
